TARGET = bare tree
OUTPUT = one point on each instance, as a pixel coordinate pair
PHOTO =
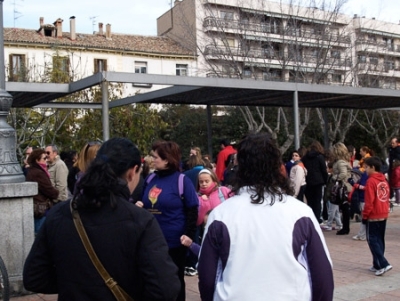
(263, 40)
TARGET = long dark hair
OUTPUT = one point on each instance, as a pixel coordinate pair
(260, 167)
(102, 180)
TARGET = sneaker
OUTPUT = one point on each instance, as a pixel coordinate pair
(372, 269)
(326, 228)
(388, 268)
(359, 238)
(337, 227)
(383, 271)
(189, 271)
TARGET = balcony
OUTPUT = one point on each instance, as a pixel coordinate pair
(218, 24)
(272, 54)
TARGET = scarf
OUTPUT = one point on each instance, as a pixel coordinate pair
(207, 191)
(44, 167)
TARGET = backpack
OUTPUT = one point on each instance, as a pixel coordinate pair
(355, 176)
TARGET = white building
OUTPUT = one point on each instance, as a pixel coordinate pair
(50, 54)
(268, 40)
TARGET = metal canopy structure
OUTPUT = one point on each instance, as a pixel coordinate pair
(207, 91)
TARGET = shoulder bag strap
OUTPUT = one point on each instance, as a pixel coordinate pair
(118, 292)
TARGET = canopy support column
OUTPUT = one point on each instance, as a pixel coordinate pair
(209, 132)
(105, 116)
(296, 120)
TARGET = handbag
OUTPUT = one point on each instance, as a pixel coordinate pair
(339, 193)
(117, 291)
(40, 208)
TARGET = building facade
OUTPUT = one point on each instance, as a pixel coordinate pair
(267, 40)
(50, 54)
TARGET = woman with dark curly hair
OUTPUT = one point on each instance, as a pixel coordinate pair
(262, 240)
(126, 238)
(37, 172)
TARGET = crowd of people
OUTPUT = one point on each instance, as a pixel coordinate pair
(154, 219)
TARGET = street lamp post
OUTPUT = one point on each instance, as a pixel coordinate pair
(10, 169)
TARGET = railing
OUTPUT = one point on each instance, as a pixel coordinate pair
(388, 47)
(270, 54)
(270, 28)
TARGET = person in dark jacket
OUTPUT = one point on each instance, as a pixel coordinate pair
(317, 175)
(37, 172)
(126, 238)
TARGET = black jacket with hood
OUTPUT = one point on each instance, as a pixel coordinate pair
(315, 164)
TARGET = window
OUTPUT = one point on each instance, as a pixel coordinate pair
(229, 42)
(335, 54)
(270, 25)
(181, 69)
(17, 67)
(226, 15)
(336, 78)
(373, 60)
(247, 73)
(272, 75)
(371, 37)
(140, 67)
(100, 65)
(245, 20)
(362, 58)
(389, 43)
(244, 46)
(270, 50)
(389, 65)
(60, 73)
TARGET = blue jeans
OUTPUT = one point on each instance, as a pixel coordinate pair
(376, 242)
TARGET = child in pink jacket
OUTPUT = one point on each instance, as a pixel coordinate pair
(210, 193)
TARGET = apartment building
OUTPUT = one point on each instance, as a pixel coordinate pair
(51, 54)
(266, 40)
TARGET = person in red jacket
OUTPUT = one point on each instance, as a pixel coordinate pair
(223, 155)
(375, 214)
(395, 181)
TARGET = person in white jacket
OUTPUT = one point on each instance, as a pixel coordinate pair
(263, 243)
(298, 174)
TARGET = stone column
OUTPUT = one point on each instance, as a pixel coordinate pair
(16, 203)
(16, 229)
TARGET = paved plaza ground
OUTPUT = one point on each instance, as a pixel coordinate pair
(351, 260)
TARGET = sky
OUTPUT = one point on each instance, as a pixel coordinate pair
(139, 16)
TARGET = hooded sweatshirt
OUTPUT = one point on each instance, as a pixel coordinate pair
(376, 197)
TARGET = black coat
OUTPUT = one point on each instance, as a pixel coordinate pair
(128, 242)
(394, 154)
(317, 173)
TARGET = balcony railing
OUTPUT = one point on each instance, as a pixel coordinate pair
(271, 28)
(384, 46)
(270, 54)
